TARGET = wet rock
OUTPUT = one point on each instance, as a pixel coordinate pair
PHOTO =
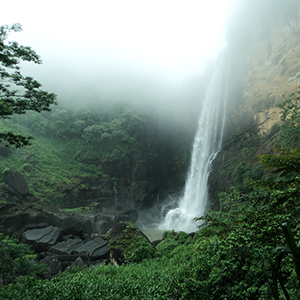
(103, 223)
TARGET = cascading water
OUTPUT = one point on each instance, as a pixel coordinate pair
(115, 193)
(207, 144)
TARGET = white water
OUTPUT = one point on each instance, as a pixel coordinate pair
(207, 144)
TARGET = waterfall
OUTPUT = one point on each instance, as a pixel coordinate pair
(207, 144)
(115, 193)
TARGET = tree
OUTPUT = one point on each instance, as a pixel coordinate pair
(18, 93)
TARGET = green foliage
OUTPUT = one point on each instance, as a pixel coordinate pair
(290, 117)
(46, 165)
(18, 94)
(108, 141)
(171, 241)
(16, 260)
(288, 278)
(148, 280)
(248, 227)
(243, 173)
(132, 244)
(285, 164)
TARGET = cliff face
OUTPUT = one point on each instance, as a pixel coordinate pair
(272, 72)
(262, 74)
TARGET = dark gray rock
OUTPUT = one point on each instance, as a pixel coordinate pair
(16, 181)
(101, 252)
(67, 236)
(72, 257)
(92, 246)
(4, 149)
(54, 266)
(36, 225)
(78, 263)
(66, 247)
(156, 242)
(41, 239)
(103, 223)
(128, 216)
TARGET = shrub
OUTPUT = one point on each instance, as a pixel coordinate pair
(130, 244)
(16, 259)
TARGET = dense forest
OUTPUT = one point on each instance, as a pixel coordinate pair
(88, 149)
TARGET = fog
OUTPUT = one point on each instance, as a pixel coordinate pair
(119, 50)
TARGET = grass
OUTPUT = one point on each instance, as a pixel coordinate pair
(46, 164)
(148, 280)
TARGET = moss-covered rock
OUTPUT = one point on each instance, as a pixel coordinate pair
(128, 244)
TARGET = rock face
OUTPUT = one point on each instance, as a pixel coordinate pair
(261, 76)
(272, 72)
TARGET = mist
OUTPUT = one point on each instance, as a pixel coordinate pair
(138, 51)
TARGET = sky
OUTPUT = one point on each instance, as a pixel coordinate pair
(117, 41)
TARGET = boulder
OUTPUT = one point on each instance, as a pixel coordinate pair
(41, 239)
(5, 150)
(95, 248)
(66, 247)
(78, 263)
(102, 223)
(16, 181)
(128, 244)
(101, 252)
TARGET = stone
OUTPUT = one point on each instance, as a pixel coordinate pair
(156, 242)
(101, 252)
(4, 149)
(128, 216)
(16, 181)
(92, 246)
(54, 266)
(103, 223)
(41, 239)
(78, 263)
(66, 247)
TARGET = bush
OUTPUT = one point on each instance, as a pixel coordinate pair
(130, 244)
(16, 259)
